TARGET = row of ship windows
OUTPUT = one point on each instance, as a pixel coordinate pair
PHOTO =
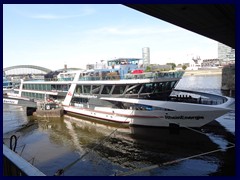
(47, 87)
(106, 89)
(125, 89)
(33, 95)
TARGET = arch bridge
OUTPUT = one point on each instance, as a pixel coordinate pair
(25, 69)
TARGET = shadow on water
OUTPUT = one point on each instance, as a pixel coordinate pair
(152, 146)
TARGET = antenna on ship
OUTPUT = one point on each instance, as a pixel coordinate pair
(65, 67)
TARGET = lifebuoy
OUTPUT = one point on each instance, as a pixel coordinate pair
(47, 107)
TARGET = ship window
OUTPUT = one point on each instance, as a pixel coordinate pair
(59, 87)
(53, 87)
(41, 87)
(173, 84)
(106, 89)
(48, 87)
(168, 86)
(119, 89)
(86, 89)
(96, 89)
(133, 89)
(158, 88)
(164, 86)
(78, 89)
(64, 87)
(148, 88)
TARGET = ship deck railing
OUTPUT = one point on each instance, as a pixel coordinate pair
(147, 75)
(204, 101)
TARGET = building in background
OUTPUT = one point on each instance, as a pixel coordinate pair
(146, 56)
(226, 54)
(195, 63)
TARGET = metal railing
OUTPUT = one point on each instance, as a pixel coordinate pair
(147, 75)
(15, 165)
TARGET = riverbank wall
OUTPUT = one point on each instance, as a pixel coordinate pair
(203, 72)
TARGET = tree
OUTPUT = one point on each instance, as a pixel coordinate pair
(184, 67)
(172, 64)
(148, 69)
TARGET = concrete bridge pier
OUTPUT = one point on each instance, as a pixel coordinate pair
(228, 79)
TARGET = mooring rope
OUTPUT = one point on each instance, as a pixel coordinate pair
(174, 161)
(148, 168)
(61, 171)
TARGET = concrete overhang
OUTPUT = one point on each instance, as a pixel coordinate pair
(215, 21)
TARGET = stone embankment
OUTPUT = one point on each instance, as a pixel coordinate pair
(203, 72)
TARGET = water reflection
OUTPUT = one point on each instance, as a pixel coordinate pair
(112, 149)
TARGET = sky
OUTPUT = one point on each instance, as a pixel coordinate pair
(52, 35)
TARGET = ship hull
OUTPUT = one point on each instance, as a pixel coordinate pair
(155, 118)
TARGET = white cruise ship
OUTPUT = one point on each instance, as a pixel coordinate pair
(124, 93)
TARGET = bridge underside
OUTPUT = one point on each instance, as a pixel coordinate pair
(215, 21)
